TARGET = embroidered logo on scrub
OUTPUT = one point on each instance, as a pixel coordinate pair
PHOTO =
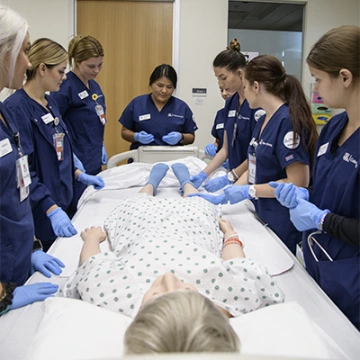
(289, 140)
(174, 115)
(259, 113)
(349, 158)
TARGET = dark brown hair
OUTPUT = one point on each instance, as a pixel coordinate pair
(267, 70)
(231, 58)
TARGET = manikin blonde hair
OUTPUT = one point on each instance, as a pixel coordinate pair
(180, 321)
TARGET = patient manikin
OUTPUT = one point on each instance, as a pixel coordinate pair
(176, 268)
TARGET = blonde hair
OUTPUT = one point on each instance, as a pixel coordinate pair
(82, 48)
(180, 321)
(45, 51)
(336, 50)
(13, 30)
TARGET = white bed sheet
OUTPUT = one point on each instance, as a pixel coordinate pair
(18, 327)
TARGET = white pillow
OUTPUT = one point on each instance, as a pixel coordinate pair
(73, 329)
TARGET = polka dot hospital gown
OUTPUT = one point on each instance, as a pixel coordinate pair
(151, 236)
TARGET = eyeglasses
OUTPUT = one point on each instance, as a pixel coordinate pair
(311, 240)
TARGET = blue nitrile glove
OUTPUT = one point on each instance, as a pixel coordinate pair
(306, 216)
(61, 223)
(104, 157)
(143, 137)
(97, 181)
(198, 179)
(237, 193)
(78, 164)
(214, 199)
(217, 183)
(28, 294)
(172, 138)
(45, 263)
(226, 165)
(211, 149)
(288, 194)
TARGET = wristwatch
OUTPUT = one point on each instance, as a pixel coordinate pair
(37, 245)
(231, 177)
(252, 192)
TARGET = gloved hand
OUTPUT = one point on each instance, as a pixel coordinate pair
(172, 138)
(217, 183)
(214, 199)
(211, 149)
(288, 194)
(104, 157)
(45, 263)
(306, 216)
(237, 193)
(97, 181)
(226, 165)
(27, 294)
(61, 223)
(143, 137)
(198, 179)
(78, 164)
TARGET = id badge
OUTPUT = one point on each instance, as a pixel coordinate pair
(23, 177)
(252, 168)
(100, 113)
(59, 145)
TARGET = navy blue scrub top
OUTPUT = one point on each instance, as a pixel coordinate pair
(77, 108)
(52, 180)
(239, 127)
(275, 151)
(218, 128)
(336, 187)
(142, 115)
(16, 223)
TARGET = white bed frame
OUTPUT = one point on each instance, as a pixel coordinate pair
(153, 154)
(18, 326)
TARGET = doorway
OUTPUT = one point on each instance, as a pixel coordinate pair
(136, 37)
(274, 28)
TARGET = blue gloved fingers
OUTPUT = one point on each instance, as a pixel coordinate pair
(143, 137)
(104, 157)
(236, 193)
(210, 149)
(225, 164)
(214, 199)
(53, 267)
(172, 138)
(69, 230)
(27, 294)
(217, 183)
(198, 179)
(78, 164)
(61, 223)
(99, 183)
(288, 194)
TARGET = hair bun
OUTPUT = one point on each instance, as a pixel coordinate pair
(234, 45)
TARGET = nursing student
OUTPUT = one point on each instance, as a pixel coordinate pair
(82, 105)
(282, 144)
(330, 216)
(20, 254)
(239, 120)
(47, 144)
(217, 130)
(158, 118)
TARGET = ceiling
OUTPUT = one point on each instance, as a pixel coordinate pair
(265, 16)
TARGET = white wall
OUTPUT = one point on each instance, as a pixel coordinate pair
(200, 34)
(285, 45)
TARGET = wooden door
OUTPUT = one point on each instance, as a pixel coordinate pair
(136, 37)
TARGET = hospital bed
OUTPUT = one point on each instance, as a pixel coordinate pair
(308, 325)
